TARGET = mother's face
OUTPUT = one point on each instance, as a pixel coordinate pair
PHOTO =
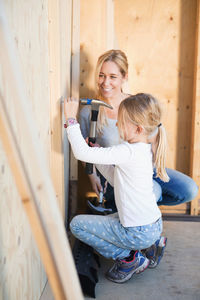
(110, 80)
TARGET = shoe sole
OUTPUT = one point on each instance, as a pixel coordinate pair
(139, 270)
(159, 255)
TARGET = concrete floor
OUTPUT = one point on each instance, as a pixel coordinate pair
(177, 277)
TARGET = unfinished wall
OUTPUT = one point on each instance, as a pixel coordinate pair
(41, 46)
(159, 38)
(22, 275)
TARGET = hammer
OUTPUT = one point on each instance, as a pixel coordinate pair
(100, 207)
(95, 103)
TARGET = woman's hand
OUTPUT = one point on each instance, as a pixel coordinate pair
(71, 107)
(95, 183)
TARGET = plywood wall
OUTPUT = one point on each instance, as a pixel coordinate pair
(95, 38)
(22, 275)
(195, 141)
(158, 37)
(44, 55)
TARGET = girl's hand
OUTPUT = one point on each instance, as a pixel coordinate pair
(91, 144)
(71, 107)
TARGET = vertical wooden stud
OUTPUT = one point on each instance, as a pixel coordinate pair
(75, 77)
(195, 146)
(56, 157)
(75, 72)
(65, 83)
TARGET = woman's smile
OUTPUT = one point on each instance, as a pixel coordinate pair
(110, 80)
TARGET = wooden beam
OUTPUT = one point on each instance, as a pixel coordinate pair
(75, 79)
(56, 155)
(195, 148)
(65, 82)
(30, 171)
(75, 71)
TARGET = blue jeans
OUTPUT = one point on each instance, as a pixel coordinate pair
(108, 237)
(181, 188)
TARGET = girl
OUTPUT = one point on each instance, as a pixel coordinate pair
(111, 74)
(128, 167)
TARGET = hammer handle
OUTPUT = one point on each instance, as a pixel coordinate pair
(89, 166)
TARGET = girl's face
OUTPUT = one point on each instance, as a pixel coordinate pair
(128, 132)
(131, 133)
(110, 80)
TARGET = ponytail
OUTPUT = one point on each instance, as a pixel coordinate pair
(160, 154)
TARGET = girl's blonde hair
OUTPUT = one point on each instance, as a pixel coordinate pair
(120, 59)
(144, 110)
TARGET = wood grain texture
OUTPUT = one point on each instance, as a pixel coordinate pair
(159, 40)
(32, 177)
(65, 82)
(22, 275)
(158, 37)
(195, 145)
(56, 154)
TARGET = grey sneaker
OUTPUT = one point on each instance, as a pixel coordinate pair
(123, 270)
(156, 251)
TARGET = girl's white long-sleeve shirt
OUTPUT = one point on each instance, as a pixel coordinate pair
(129, 169)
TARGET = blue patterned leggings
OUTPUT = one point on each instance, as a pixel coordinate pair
(108, 237)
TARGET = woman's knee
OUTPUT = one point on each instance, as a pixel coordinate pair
(181, 188)
(191, 191)
(186, 188)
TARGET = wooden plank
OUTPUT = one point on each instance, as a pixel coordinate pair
(65, 82)
(32, 178)
(175, 209)
(75, 79)
(21, 182)
(195, 145)
(75, 72)
(56, 156)
(28, 22)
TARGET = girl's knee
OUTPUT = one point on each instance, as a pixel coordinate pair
(74, 224)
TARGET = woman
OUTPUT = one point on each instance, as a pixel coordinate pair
(111, 74)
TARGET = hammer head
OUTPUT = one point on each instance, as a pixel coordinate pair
(100, 209)
(95, 103)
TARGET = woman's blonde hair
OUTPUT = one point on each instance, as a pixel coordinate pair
(120, 59)
(144, 110)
